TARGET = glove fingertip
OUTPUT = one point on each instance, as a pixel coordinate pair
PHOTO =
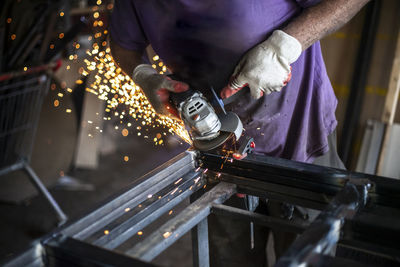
(238, 82)
(289, 77)
(163, 95)
(233, 85)
(228, 91)
(180, 87)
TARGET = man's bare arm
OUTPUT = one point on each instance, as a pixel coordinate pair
(322, 19)
(126, 59)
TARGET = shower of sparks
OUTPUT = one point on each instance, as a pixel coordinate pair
(173, 192)
(113, 86)
(178, 181)
(117, 89)
(125, 132)
(167, 234)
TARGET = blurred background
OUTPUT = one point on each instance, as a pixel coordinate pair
(86, 140)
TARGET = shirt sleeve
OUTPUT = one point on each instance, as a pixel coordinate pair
(307, 3)
(125, 27)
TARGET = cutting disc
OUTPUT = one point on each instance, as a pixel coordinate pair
(206, 145)
(231, 126)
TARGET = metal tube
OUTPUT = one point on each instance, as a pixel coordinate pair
(279, 171)
(171, 231)
(122, 230)
(278, 192)
(296, 182)
(66, 251)
(134, 195)
(31, 257)
(259, 219)
(43, 190)
(323, 234)
(361, 68)
(201, 251)
(15, 167)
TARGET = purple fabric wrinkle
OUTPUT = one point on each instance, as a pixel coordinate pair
(312, 125)
(203, 41)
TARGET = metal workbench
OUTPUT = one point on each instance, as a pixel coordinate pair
(360, 212)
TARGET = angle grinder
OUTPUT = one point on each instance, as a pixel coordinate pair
(208, 129)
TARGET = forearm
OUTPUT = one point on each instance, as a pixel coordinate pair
(126, 59)
(322, 19)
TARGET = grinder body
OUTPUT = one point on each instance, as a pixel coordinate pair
(208, 129)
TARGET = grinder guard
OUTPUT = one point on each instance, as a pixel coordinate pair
(207, 129)
(197, 113)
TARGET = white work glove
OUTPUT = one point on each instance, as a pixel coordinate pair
(156, 87)
(266, 67)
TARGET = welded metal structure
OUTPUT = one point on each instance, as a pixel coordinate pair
(359, 212)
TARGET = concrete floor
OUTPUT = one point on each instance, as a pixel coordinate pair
(32, 218)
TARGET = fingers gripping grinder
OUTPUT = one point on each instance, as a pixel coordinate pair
(208, 129)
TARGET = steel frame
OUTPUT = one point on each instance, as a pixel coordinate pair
(353, 206)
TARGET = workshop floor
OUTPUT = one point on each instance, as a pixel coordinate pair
(21, 224)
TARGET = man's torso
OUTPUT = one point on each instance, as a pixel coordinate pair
(202, 42)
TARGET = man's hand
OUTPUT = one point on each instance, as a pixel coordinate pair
(156, 87)
(266, 67)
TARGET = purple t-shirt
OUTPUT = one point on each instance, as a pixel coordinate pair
(202, 42)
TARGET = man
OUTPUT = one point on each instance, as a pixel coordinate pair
(270, 46)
